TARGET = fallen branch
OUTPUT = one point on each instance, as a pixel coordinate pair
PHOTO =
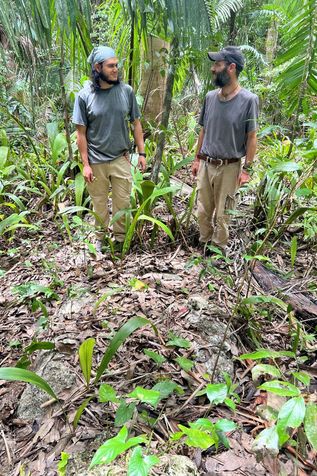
(303, 306)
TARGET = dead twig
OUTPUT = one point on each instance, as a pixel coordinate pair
(293, 452)
(6, 447)
(193, 395)
(247, 370)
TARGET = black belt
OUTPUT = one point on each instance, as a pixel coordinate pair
(214, 161)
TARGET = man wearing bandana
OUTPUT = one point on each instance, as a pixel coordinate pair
(102, 112)
(227, 140)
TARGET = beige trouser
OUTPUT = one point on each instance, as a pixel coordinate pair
(216, 186)
(116, 172)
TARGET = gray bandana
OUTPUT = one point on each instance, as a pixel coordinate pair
(100, 54)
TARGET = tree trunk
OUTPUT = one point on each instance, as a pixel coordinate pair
(271, 41)
(166, 110)
(153, 83)
(64, 99)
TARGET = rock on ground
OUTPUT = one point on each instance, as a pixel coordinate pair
(58, 375)
(178, 465)
(210, 322)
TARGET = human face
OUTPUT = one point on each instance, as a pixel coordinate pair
(108, 71)
(220, 74)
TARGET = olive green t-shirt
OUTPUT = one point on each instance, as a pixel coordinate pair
(106, 113)
(227, 123)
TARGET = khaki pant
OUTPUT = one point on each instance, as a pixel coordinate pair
(117, 173)
(216, 186)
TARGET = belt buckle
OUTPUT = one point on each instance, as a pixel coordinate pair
(212, 160)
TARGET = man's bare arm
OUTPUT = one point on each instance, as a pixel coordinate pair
(83, 150)
(139, 141)
(244, 177)
(250, 148)
(196, 162)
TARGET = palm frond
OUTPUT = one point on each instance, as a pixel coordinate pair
(254, 52)
(224, 8)
(220, 11)
(289, 7)
(298, 57)
(269, 12)
(43, 22)
(211, 12)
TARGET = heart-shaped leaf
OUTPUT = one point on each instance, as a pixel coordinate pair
(114, 447)
(152, 397)
(140, 465)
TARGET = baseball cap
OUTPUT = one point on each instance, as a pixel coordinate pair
(232, 54)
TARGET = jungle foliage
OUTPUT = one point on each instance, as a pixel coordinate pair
(44, 46)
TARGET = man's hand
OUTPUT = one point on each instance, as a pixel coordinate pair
(195, 167)
(88, 173)
(141, 163)
(243, 178)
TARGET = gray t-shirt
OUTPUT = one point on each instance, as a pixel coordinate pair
(106, 113)
(226, 123)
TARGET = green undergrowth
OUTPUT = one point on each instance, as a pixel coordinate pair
(275, 372)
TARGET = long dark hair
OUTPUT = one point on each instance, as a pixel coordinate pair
(95, 79)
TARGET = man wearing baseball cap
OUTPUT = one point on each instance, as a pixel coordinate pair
(227, 139)
(101, 113)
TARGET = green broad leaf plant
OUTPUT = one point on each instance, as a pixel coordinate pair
(115, 446)
(296, 412)
(219, 393)
(204, 434)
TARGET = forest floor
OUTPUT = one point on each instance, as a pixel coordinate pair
(172, 286)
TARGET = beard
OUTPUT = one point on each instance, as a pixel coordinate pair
(104, 77)
(221, 79)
